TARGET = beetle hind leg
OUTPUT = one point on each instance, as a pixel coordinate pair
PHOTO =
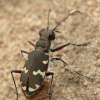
(50, 88)
(15, 71)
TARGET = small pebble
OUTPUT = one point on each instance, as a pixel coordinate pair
(56, 54)
(89, 3)
(97, 55)
(97, 80)
(97, 96)
(97, 63)
(86, 83)
(95, 13)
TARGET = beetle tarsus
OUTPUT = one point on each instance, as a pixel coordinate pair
(84, 44)
(50, 88)
(55, 58)
(49, 96)
(17, 97)
(15, 71)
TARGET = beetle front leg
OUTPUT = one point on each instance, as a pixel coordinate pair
(15, 71)
(59, 47)
(50, 88)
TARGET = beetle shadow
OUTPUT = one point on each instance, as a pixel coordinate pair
(41, 94)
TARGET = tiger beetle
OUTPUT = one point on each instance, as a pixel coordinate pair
(36, 67)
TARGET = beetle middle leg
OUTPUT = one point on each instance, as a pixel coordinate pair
(15, 71)
(50, 88)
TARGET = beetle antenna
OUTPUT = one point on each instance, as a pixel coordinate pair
(48, 18)
(66, 18)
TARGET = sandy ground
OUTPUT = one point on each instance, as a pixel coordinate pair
(21, 20)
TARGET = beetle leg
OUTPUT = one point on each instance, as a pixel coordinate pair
(23, 51)
(15, 71)
(72, 69)
(59, 47)
(50, 88)
(33, 44)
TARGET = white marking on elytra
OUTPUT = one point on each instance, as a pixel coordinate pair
(46, 53)
(31, 89)
(39, 72)
(24, 88)
(25, 70)
(45, 62)
(20, 82)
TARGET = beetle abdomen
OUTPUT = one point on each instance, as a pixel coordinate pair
(33, 74)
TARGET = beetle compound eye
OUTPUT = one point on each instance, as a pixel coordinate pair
(52, 37)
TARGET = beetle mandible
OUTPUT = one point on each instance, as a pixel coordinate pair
(36, 67)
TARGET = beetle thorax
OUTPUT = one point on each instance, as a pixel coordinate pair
(43, 44)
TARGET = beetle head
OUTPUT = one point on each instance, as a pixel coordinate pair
(50, 34)
(47, 34)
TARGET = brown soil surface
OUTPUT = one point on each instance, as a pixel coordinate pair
(21, 20)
